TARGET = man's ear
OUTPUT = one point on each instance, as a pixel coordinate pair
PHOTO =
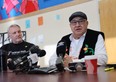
(8, 37)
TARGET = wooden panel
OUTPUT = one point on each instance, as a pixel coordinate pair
(108, 26)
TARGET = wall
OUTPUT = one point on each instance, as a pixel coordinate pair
(55, 25)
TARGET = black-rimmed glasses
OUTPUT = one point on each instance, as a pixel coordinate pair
(74, 22)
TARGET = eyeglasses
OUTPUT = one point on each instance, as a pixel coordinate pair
(74, 22)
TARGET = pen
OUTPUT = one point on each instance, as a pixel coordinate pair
(109, 69)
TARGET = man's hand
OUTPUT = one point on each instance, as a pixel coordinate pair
(67, 60)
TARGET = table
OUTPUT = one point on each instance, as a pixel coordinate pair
(82, 76)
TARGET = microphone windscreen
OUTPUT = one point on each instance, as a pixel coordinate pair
(61, 48)
(42, 53)
(36, 49)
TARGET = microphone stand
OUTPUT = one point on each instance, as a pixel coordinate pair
(59, 63)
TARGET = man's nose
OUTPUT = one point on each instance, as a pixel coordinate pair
(77, 23)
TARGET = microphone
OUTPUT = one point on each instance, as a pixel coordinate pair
(30, 56)
(36, 49)
(35, 53)
(60, 50)
(42, 53)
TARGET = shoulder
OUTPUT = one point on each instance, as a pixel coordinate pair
(66, 37)
(6, 47)
(27, 43)
(96, 32)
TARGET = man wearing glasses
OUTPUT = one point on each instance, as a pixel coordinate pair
(83, 41)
